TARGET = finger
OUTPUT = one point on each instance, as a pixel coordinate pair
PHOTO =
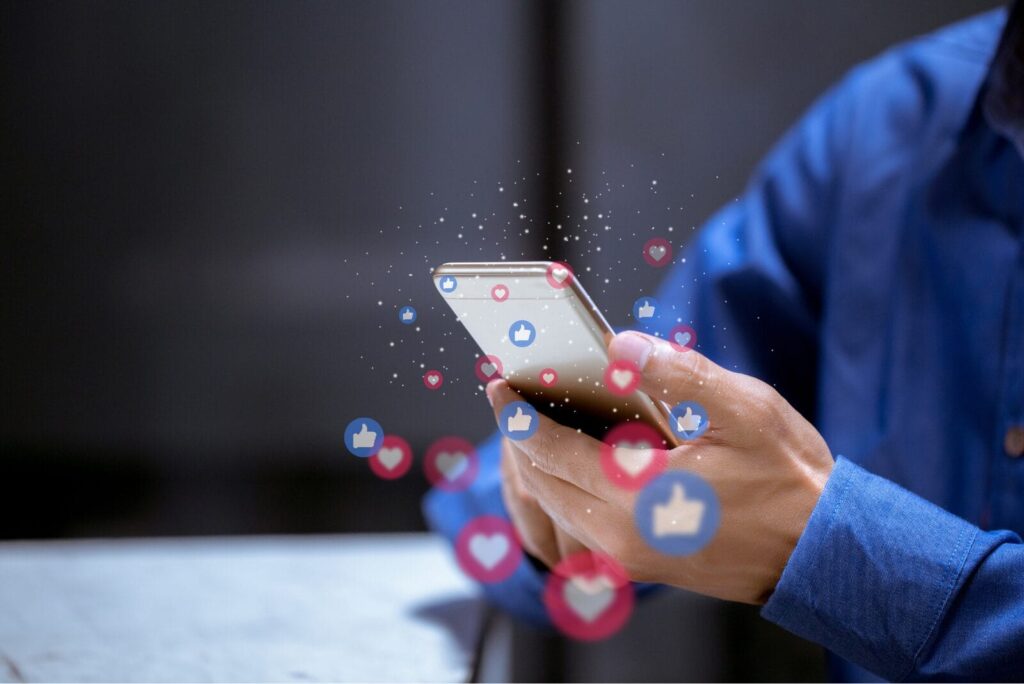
(570, 508)
(533, 525)
(674, 376)
(558, 450)
(567, 544)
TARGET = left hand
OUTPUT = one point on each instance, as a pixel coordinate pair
(766, 463)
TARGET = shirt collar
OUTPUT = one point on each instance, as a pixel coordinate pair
(1003, 92)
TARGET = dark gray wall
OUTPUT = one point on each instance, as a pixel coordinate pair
(204, 203)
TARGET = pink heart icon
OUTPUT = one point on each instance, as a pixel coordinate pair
(433, 379)
(499, 293)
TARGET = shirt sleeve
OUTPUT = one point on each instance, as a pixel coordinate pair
(448, 512)
(901, 587)
(751, 281)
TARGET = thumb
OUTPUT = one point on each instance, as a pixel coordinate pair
(519, 412)
(689, 412)
(673, 376)
(363, 430)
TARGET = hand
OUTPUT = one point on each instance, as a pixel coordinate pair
(766, 464)
(540, 537)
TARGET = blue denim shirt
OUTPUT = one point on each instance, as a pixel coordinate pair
(873, 271)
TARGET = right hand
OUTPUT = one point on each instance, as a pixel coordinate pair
(539, 535)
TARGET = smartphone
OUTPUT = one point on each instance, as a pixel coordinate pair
(550, 341)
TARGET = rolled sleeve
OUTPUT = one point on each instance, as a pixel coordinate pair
(873, 573)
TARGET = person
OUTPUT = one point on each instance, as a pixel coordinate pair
(871, 276)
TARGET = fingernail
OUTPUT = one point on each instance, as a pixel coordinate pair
(630, 347)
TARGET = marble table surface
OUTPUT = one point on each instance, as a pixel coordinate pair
(299, 608)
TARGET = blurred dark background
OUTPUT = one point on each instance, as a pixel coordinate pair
(212, 212)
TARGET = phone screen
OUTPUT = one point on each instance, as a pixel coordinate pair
(549, 340)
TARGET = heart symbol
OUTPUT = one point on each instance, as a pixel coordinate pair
(657, 252)
(390, 457)
(452, 466)
(548, 378)
(500, 293)
(433, 379)
(488, 369)
(633, 457)
(588, 597)
(683, 338)
(559, 273)
(622, 377)
(488, 549)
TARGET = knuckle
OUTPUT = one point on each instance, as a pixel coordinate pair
(534, 545)
(529, 480)
(522, 495)
(545, 444)
(710, 382)
(639, 572)
(621, 549)
(763, 399)
(685, 368)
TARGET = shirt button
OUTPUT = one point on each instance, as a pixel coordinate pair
(1014, 441)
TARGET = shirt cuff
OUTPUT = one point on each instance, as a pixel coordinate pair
(872, 573)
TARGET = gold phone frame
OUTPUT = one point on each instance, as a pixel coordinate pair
(606, 405)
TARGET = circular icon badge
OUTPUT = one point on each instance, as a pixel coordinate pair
(407, 315)
(487, 549)
(488, 368)
(522, 333)
(548, 377)
(518, 421)
(433, 379)
(588, 596)
(689, 420)
(677, 513)
(393, 459)
(657, 252)
(499, 293)
(451, 464)
(621, 377)
(633, 454)
(645, 309)
(447, 284)
(559, 275)
(363, 437)
(682, 338)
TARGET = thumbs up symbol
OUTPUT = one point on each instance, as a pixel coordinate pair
(364, 438)
(678, 516)
(447, 284)
(522, 334)
(407, 315)
(646, 310)
(520, 422)
(690, 422)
